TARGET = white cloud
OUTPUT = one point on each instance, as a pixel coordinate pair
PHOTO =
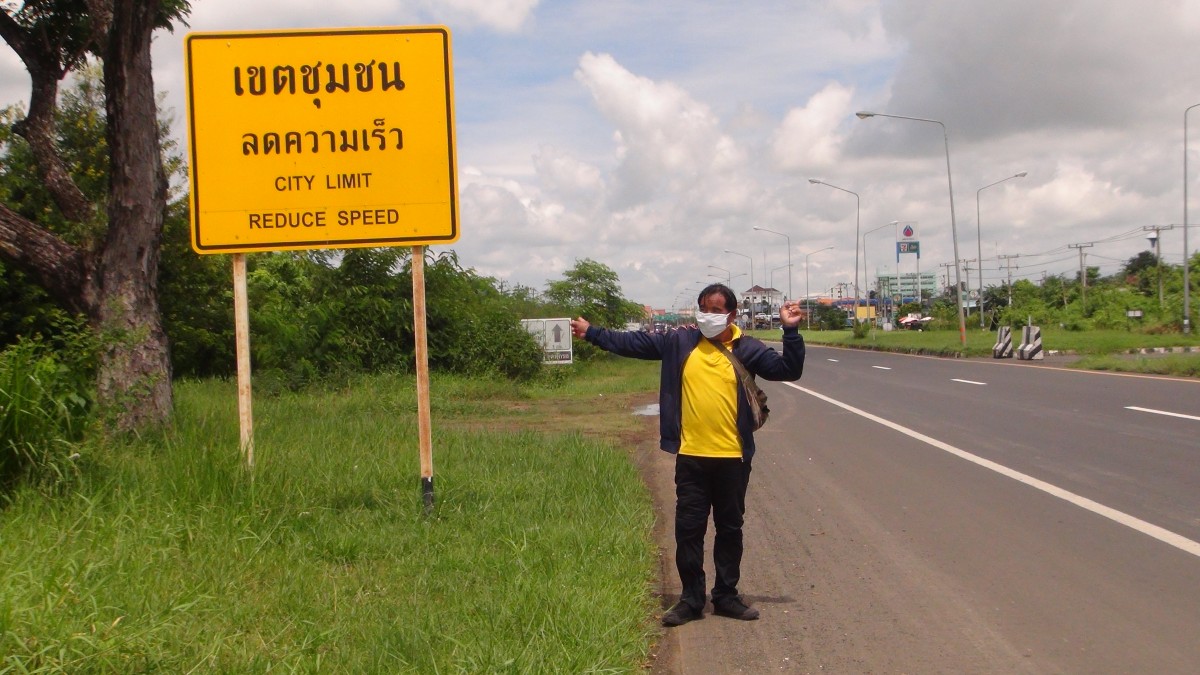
(666, 140)
(808, 138)
(561, 174)
(503, 15)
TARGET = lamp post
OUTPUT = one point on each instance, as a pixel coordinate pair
(1187, 308)
(857, 220)
(747, 258)
(789, 265)
(866, 269)
(807, 299)
(979, 238)
(962, 320)
(728, 279)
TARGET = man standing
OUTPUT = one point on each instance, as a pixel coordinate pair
(706, 421)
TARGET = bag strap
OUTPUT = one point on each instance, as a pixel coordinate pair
(743, 376)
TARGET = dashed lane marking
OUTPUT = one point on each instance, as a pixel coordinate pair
(1162, 412)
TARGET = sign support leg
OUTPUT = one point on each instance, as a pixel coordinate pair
(241, 321)
(422, 365)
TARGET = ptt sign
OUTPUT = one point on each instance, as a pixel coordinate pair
(321, 139)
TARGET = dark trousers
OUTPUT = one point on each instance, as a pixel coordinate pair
(704, 484)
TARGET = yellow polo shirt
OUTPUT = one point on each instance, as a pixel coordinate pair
(710, 402)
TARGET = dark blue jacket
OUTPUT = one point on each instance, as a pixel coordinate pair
(673, 349)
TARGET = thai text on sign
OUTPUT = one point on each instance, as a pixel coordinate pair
(321, 139)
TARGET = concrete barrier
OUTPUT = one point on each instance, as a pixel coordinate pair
(1003, 348)
(1031, 344)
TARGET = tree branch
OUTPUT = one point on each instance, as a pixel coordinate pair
(60, 268)
(38, 129)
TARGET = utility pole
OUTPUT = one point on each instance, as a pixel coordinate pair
(1156, 242)
(947, 266)
(978, 303)
(1082, 273)
(1008, 262)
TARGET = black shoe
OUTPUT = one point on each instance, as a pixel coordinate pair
(735, 609)
(680, 614)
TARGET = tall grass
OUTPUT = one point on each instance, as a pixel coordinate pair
(43, 410)
(171, 558)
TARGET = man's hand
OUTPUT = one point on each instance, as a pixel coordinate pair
(579, 327)
(789, 314)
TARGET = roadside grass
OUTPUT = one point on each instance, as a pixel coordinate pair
(168, 556)
(1177, 365)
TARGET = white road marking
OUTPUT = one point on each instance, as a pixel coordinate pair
(832, 360)
(881, 367)
(955, 379)
(1162, 412)
(1164, 535)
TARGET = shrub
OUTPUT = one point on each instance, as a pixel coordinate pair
(44, 406)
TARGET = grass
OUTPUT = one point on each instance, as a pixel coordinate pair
(167, 556)
(1177, 365)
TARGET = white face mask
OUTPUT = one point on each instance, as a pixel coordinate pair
(711, 325)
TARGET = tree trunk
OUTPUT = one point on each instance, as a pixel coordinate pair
(135, 368)
(115, 284)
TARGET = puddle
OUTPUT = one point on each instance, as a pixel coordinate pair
(648, 410)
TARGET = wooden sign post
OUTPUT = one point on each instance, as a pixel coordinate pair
(241, 331)
(424, 425)
(320, 139)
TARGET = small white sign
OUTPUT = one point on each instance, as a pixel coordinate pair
(554, 336)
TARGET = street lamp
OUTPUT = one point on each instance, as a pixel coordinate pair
(979, 238)
(857, 217)
(728, 278)
(789, 248)
(751, 263)
(962, 320)
(807, 299)
(866, 269)
(1187, 308)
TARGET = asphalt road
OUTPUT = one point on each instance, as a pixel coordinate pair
(924, 515)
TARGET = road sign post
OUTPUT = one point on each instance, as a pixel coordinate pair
(318, 139)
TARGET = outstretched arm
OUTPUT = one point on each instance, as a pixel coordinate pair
(635, 344)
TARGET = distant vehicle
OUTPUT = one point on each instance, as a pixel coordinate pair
(764, 320)
(914, 321)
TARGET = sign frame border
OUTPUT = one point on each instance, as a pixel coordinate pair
(193, 170)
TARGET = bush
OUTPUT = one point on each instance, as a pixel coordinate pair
(321, 318)
(44, 407)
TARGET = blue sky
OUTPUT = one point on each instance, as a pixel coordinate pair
(654, 135)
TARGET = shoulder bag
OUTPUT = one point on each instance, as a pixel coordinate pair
(757, 397)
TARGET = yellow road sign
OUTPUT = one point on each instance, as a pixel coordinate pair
(308, 139)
